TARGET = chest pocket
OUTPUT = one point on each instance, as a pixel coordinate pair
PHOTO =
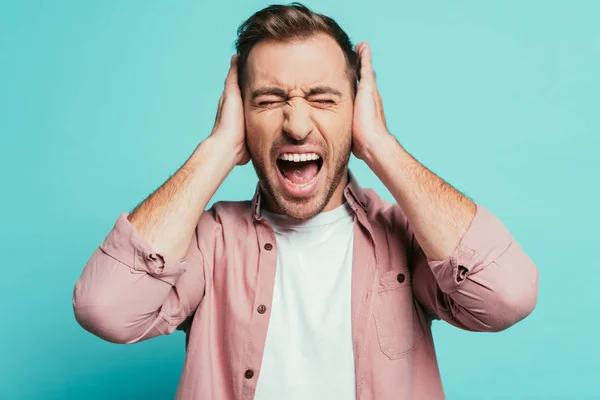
(395, 315)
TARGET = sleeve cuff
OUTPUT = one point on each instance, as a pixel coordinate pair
(483, 242)
(127, 246)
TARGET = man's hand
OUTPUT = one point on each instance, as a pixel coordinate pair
(229, 123)
(369, 126)
(167, 219)
(438, 213)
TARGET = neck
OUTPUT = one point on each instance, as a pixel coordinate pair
(337, 199)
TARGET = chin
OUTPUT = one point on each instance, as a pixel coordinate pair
(299, 181)
(301, 209)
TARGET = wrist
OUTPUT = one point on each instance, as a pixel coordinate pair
(215, 152)
(388, 159)
(381, 150)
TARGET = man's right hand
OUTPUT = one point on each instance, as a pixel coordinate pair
(127, 307)
(168, 217)
(229, 123)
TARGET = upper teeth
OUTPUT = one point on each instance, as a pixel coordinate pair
(297, 157)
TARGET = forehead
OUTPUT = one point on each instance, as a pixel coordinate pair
(297, 64)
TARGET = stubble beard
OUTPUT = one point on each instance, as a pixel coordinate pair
(293, 207)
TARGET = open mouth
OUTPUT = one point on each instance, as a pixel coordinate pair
(299, 171)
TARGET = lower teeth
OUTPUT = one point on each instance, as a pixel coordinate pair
(299, 185)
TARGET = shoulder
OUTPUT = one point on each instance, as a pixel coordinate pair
(226, 213)
(383, 213)
(224, 223)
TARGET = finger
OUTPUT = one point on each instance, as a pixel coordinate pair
(366, 67)
(219, 108)
(231, 82)
(381, 111)
(357, 49)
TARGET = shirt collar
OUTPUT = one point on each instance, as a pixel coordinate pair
(353, 193)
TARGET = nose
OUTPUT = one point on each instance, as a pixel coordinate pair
(298, 123)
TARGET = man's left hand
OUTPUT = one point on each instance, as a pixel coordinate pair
(368, 125)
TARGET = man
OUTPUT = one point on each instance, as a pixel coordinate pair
(317, 288)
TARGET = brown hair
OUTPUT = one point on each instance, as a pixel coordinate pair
(287, 23)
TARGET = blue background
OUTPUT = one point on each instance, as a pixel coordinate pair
(101, 101)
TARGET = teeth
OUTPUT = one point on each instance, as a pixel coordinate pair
(299, 157)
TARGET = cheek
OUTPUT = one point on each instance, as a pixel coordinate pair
(336, 128)
(261, 131)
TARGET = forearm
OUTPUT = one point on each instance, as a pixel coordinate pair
(438, 214)
(168, 217)
(124, 295)
(473, 273)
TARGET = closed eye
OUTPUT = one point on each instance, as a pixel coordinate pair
(267, 104)
(323, 102)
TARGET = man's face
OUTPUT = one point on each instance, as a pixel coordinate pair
(298, 105)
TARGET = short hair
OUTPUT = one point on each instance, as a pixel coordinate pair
(286, 23)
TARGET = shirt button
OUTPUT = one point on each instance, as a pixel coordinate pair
(462, 273)
(261, 309)
(268, 246)
(248, 374)
(400, 278)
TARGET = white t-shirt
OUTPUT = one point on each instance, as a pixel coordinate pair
(308, 351)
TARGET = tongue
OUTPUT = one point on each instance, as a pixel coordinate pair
(299, 173)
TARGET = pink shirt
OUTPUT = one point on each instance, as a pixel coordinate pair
(220, 294)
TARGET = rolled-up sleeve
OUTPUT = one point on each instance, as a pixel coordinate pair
(488, 283)
(128, 293)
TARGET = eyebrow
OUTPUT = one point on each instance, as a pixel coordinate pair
(323, 90)
(275, 91)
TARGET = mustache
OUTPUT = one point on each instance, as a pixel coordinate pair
(286, 141)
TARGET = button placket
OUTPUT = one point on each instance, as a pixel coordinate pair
(259, 319)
